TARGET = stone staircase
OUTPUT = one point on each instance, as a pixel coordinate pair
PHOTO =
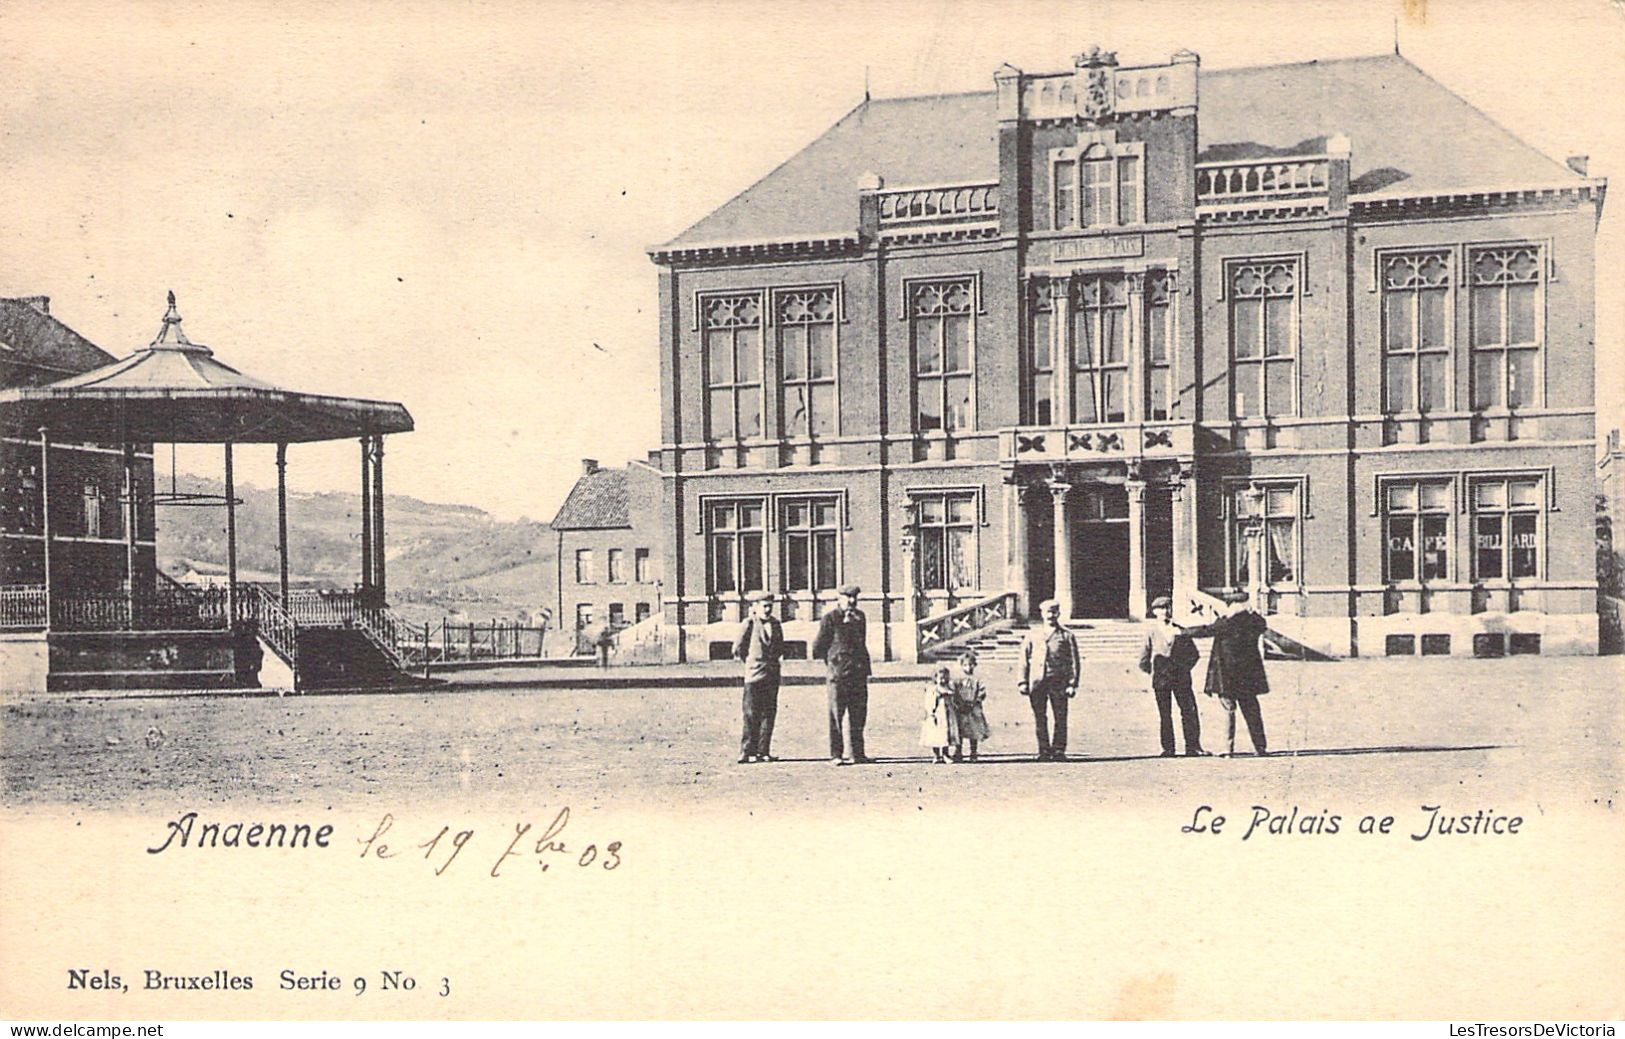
(1099, 641)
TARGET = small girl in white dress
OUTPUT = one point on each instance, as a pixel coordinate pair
(939, 731)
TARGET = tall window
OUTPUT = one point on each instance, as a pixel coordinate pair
(733, 367)
(93, 510)
(807, 361)
(736, 535)
(1506, 528)
(1280, 549)
(640, 566)
(617, 565)
(1066, 193)
(1416, 531)
(946, 546)
(1415, 332)
(1102, 186)
(942, 316)
(1159, 351)
(810, 533)
(583, 616)
(1263, 339)
(1506, 326)
(1099, 353)
(584, 566)
(1041, 356)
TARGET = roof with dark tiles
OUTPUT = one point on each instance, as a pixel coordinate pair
(598, 501)
(1394, 114)
(30, 336)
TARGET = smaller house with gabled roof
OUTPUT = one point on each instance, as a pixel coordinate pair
(609, 530)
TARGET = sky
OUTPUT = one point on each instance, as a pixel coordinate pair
(449, 204)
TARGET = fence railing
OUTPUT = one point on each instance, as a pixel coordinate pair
(280, 631)
(22, 606)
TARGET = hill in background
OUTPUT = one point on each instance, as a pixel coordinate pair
(441, 558)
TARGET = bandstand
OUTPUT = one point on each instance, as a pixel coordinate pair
(152, 631)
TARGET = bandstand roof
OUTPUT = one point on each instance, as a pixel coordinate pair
(174, 391)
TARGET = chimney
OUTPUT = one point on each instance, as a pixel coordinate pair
(589, 466)
(1579, 164)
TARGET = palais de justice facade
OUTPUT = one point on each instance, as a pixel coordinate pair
(1319, 331)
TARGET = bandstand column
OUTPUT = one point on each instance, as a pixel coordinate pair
(366, 515)
(282, 517)
(45, 512)
(1136, 548)
(1184, 533)
(1015, 558)
(379, 585)
(129, 529)
(1059, 493)
(231, 542)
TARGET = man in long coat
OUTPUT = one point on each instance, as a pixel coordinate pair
(1235, 669)
(761, 646)
(842, 644)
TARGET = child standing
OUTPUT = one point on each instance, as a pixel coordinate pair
(937, 730)
(970, 721)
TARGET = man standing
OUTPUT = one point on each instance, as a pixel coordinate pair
(1168, 656)
(761, 647)
(843, 644)
(1049, 678)
(1235, 668)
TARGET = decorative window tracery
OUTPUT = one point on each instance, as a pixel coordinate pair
(1507, 326)
(1100, 349)
(733, 366)
(1263, 338)
(1416, 331)
(806, 322)
(1098, 184)
(941, 316)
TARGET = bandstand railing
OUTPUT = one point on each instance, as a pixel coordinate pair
(22, 607)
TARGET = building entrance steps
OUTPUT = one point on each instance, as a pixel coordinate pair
(1109, 640)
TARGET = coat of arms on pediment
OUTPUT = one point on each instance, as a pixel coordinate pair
(1094, 89)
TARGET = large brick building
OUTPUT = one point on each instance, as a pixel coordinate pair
(1321, 331)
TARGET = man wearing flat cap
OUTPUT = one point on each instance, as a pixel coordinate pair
(1050, 667)
(1235, 667)
(1168, 656)
(843, 645)
(761, 646)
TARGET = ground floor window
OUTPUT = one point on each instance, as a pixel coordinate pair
(1416, 530)
(735, 542)
(811, 544)
(617, 615)
(945, 549)
(1278, 511)
(640, 612)
(583, 616)
(1506, 528)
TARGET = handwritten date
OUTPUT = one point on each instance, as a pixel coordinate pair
(523, 846)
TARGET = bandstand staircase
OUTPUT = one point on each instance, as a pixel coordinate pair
(330, 640)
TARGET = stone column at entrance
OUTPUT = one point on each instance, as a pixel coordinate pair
(1059, 493)
(1136, 546)
(1184, 531)
(1015, 559)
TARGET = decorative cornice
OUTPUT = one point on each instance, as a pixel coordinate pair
(762, 249)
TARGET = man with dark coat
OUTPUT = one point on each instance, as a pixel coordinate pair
(1235, 669)
(843, 645)
(761, 646)
(1168, 656)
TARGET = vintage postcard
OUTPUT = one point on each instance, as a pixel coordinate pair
(721, 510)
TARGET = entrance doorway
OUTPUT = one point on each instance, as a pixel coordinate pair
(1100, 551)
